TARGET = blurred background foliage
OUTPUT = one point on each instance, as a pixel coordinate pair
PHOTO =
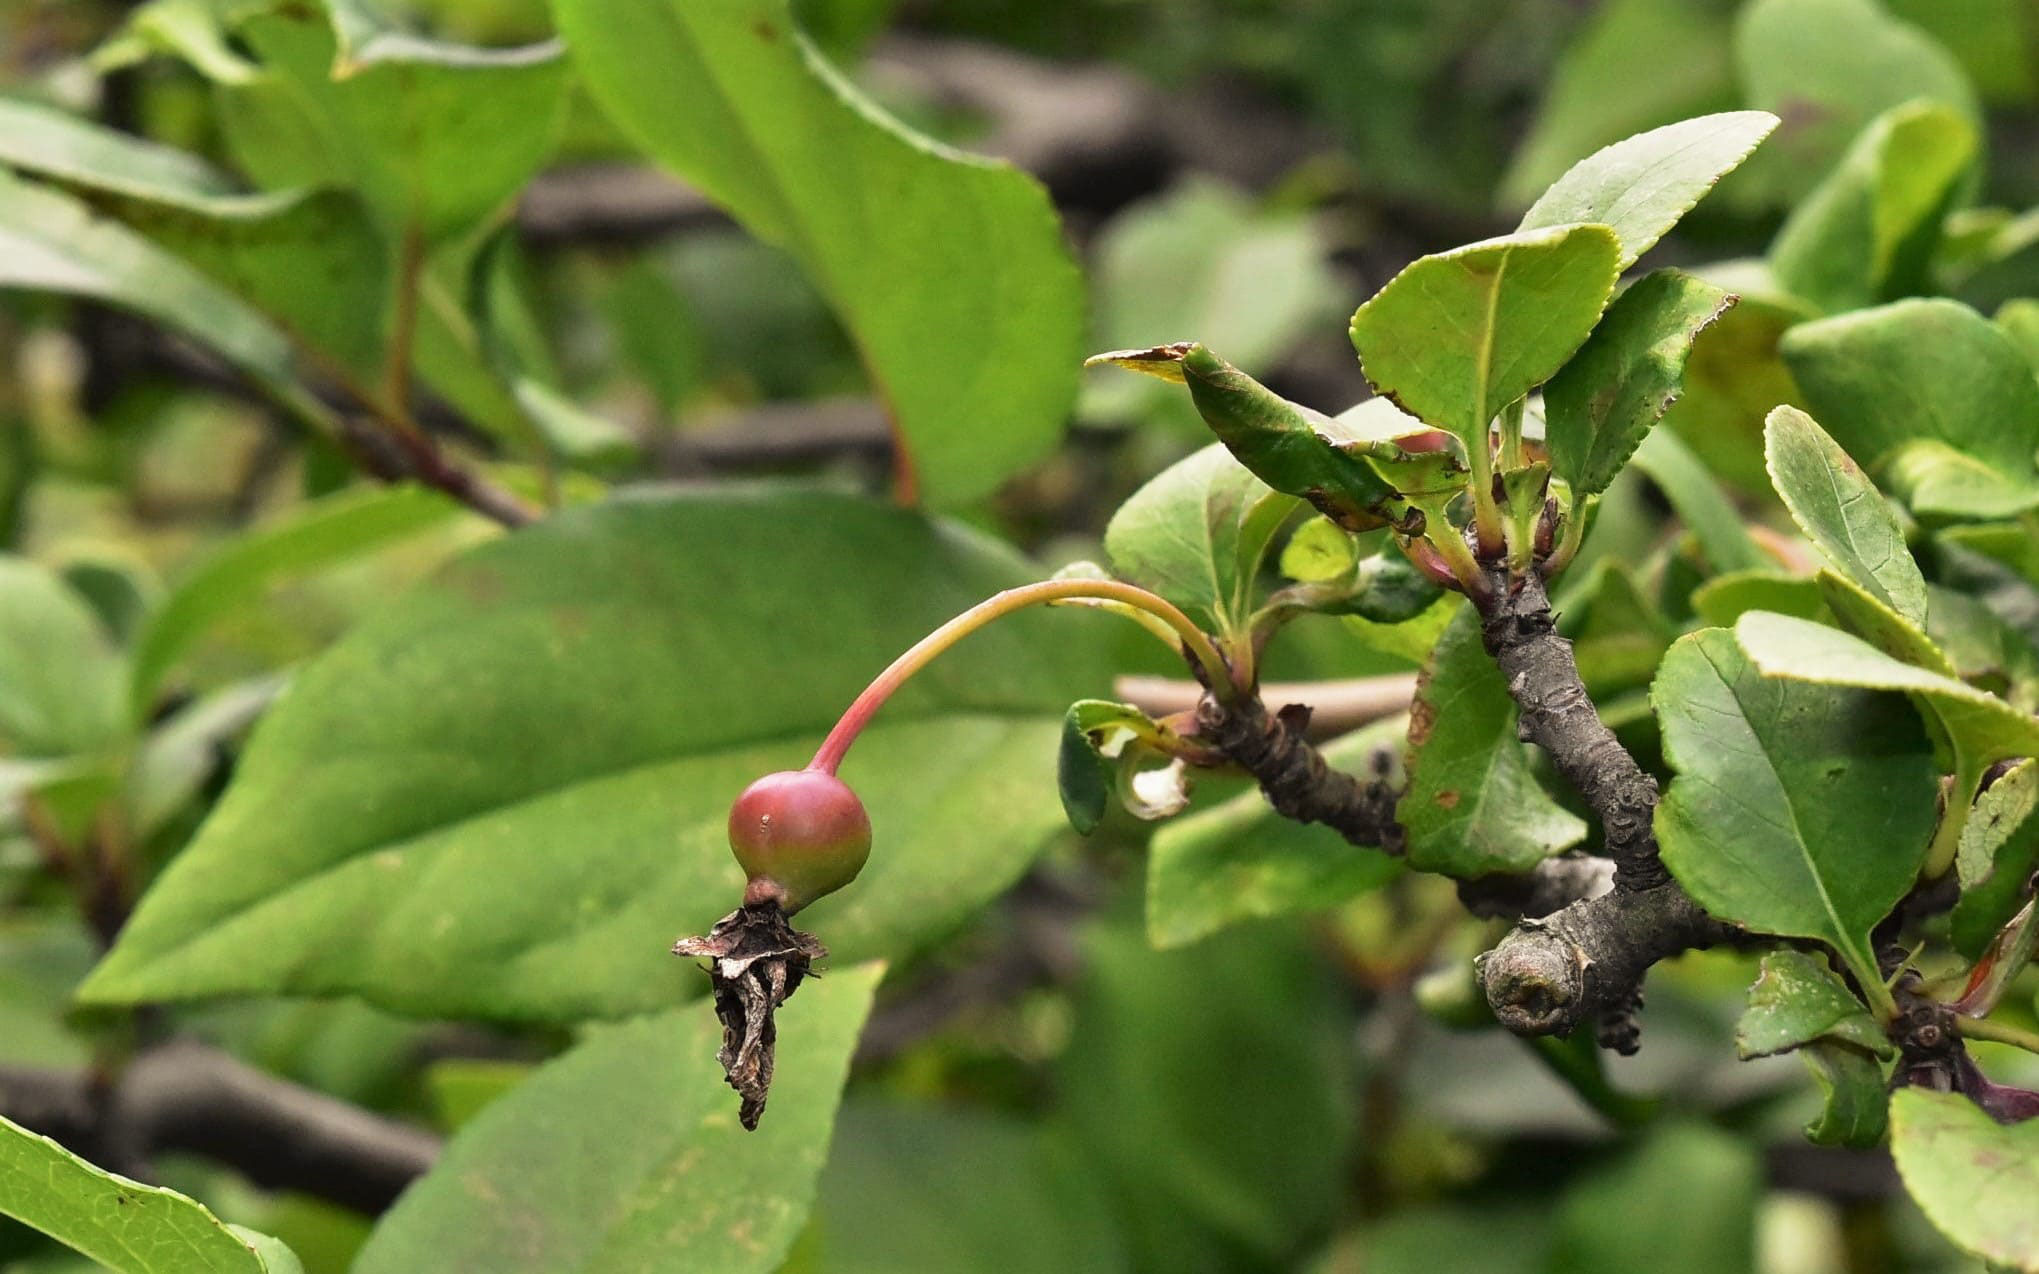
(1041, 1090)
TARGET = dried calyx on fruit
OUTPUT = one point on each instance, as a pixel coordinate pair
(800, 835)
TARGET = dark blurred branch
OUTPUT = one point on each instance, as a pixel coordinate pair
(189, 1097)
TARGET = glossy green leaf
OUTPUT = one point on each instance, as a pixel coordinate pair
(336, 529)
(1854, 1097)
(1798, 809)
(433, 135)
(309, 260)
(1932, 398)
(126, 1226)
(1473, 807)
(1197, 533)
(57, 667)
(1239, 860)
(1626, 376)
(506, 794)
(1828, 67)
(1973, 1177)
(1998, 855)
(1167, 1105)
(1684, 1201)
(1640, 187)
(1204, 259)
(50, 241)
(915, 1189)
(1457, 336)
(1868, 233)
(1988, 728)
(979, 372)
(1700, 504)
(1797, 999)
(625, 1155)
(1842, 512)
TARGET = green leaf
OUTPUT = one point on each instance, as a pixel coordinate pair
(308, 260)
(625, 1154)
(1204, 258)
(1626, 376)
(1640, 187)
(506, 793)
(1798, 809)
(1152, 1087)
(1239, 860)
(1701, 504)
(1459, 335)
(1931, 397)
(1855, 1099)
(1828, 67)
(1723, 599)
(1870, 618)
(1999, 852)
(1868, 233)
(1410, 639)
(1682, 1202)
(1841, 512)
(433, 135)
(1196, 534)
(1973, 1177)
(52, 242)
(1473, 807)
(2019, 319)
(1797, 999)
(126, 1226)
(979, 371)
(1083, 774)
(330, 531)
(59, 674)
(916, 1189)
(1319, 552)
(1984, 726)
(1101, 756)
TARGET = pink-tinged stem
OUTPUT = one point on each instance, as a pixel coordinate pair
(923, 652)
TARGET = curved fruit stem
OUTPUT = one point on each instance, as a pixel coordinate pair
(923, 652)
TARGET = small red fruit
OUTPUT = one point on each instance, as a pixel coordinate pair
(799, 835)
